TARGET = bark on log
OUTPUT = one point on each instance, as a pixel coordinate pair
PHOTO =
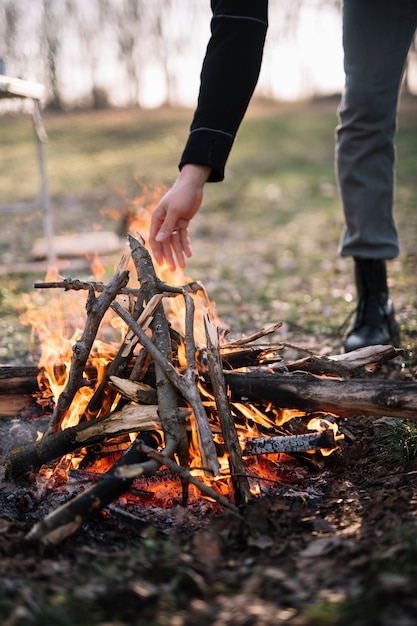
(344, 398)
(18, 378)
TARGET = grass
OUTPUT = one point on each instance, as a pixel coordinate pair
(265, 241)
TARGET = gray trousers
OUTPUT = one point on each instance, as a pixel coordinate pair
(377, 35)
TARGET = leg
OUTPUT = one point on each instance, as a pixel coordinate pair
(377, 35)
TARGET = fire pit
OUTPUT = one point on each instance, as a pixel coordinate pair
(179, 413)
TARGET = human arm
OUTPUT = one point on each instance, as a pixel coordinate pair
(228, 78)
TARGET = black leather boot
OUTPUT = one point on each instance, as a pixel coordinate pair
(374, 321)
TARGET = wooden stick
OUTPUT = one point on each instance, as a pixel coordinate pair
(184, 383)
(237, 469)
(117, 367)
(261, 333)
(73, 284)
(174, 432)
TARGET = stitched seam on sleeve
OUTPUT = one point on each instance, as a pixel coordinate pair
(240, 17)
(211, 130)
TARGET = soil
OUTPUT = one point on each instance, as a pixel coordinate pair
(333, 542)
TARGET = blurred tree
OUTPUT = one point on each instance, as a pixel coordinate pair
(51, 38)
(90, 35)
(130, 23)
(171, 42)
(9, 29)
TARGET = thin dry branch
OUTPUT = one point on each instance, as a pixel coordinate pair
(96, 308)
(237, 469)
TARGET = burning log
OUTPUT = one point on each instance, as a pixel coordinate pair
(129, 419)
(323, 440)
(308, 392)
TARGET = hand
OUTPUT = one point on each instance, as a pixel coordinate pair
(169, 224)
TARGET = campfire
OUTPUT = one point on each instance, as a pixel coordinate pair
(177, 411)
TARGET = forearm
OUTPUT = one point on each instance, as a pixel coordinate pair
(229, 75)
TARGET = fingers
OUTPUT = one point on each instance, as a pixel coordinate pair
(176, 248)
(173, 248)
(180, 244)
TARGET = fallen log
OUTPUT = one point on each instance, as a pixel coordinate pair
(308, 392)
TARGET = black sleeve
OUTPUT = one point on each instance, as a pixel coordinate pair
(228, 78)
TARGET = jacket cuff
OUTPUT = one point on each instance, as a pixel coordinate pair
(208, 147)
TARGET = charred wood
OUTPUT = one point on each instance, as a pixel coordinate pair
(18, 378)
(324, 440)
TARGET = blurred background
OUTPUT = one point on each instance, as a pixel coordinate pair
(135, 52)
